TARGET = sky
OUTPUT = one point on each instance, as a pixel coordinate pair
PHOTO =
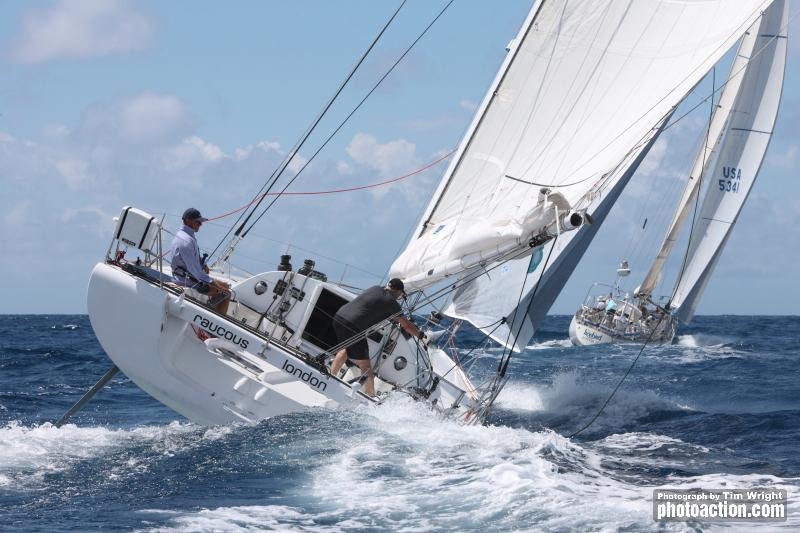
(169, 105)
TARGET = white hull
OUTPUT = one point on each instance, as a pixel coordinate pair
(619, 319)
(586, 335)
(151, 334)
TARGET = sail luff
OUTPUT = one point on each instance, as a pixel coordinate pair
(491, 93)
(704, 158)
(741, 156)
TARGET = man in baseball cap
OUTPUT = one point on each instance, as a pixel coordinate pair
(187, 267)
(354, 318)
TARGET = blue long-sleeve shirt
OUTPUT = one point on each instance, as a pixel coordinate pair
(186, 255)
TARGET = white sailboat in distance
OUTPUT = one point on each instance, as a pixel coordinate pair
(583, 92)
(728, 163)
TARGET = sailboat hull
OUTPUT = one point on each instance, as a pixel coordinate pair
(589, 327)
(213, 370)
(586, 335)
(145, 332)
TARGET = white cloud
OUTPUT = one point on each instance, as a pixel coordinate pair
(387, 158)
(265, 146)
(76, 29)
(152, 117)
(145, 118)
(653, 162)
(192, 150)
(343, 168)
(74, 171)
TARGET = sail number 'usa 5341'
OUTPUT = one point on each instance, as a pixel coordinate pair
(732, 177)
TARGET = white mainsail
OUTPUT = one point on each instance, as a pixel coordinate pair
(584, 84)
(744, 146)
(507, 290)
(704, 158)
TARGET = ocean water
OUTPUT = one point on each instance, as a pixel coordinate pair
(720, 408)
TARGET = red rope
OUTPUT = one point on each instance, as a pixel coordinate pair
(335, 191)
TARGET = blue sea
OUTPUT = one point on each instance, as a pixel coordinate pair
(719, 408)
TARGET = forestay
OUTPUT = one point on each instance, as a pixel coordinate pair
(705, 156)
(740, 158)
(584, 84)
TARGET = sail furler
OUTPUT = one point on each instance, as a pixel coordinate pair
(585, 83)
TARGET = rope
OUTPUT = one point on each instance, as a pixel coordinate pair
(680, 275)
(501, 369)
(276, 174)
(619, 384)
(343, 122)
(335, 191)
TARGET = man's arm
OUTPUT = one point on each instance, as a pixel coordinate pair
(192, 261)
(409, 326)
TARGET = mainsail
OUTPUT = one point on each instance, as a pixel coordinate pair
(581, 96)
(522, 290)
(743, 148)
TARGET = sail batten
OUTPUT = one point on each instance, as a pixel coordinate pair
(586, 84)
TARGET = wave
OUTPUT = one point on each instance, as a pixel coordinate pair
(400, 466)
(27, 453)
(573, 398)
(546, 345)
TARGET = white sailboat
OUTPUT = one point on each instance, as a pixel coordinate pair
(583, 92)
(734, 147)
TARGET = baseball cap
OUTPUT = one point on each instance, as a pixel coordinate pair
(396, 284)
(193, 214)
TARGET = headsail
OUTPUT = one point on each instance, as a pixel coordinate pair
(583, 86)
(705, 156)
(744, 146)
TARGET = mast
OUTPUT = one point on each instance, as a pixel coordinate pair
(704, 158)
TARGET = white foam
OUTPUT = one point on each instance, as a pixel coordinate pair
(646, 442)
(520, 397)
(546, 345)
(29, 452)
(403, 467)
(240, 518)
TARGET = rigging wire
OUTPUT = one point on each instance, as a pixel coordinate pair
(680, 275)
(337, 191)
(347, 118)
(276, 174)
(501, 369)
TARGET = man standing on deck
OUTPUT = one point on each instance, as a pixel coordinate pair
(372, 306)
(188, 270)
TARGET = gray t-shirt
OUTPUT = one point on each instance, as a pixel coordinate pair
(368, 308)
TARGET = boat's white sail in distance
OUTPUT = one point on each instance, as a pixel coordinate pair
(706, 155)
(740, 157)
(584, 84)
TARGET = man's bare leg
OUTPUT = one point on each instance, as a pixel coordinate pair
(366, 369)
(338, 361)
(216, 288)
